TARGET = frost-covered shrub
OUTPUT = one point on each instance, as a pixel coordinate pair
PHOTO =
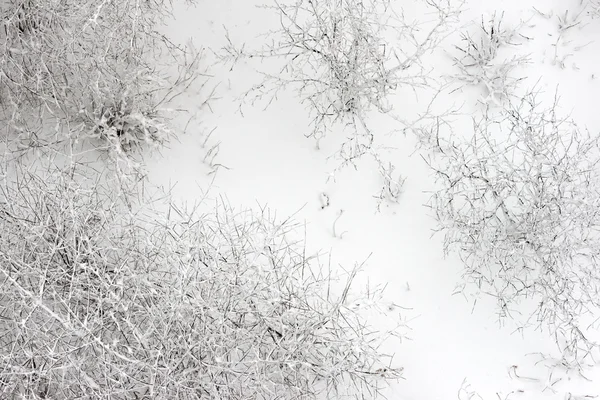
(519, 200)
(89, 70)
(344, 58)
(105, 298)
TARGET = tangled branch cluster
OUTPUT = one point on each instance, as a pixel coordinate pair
(520, 202)
(100, 301)
(88, 70)
(344, 58)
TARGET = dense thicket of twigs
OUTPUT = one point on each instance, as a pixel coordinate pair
(99, 299)
(108, 293)
(92, 70)
(519, 199)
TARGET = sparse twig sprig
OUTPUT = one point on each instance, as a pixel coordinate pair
(479, 63)
(566, 22)
(519, 201)
(465, 392)
(211, 151)
(106, 301)
(392, 184)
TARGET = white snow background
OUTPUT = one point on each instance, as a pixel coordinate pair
(267, 161)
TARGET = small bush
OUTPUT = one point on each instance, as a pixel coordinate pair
(89, 70)
(102, 299)
(480, 65)
(344, 59)
(519, 201)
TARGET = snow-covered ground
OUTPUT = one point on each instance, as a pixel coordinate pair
(266, 160)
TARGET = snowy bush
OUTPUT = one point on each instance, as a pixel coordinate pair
(101, 297)
(519, 200)
(89, 70)
(479, 62)
(344, 58)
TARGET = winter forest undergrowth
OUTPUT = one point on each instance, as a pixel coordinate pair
(299, 199)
